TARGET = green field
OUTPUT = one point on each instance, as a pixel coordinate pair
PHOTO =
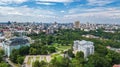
(60, 47)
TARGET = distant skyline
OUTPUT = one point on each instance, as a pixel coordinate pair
(61, 11)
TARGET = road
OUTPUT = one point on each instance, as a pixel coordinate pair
(26, 59)
(9, 62)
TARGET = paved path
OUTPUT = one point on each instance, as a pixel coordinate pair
(41, 57)
(34, 58)
(9, 62)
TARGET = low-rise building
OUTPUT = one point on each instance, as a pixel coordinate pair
(14, 43)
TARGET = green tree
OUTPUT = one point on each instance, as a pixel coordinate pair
(97, 61)
(55, 63)
(14, 54)
(1, 58)
(70, 53)
(39, 64)
(24, 50)
(33, 51)
(43, 64)
(66, 62)
(36, 64)
(79, 59)
(1, 52)
(113, 57)
(51, 49)
(44, 50)
(101, 50)
(20, 59)
(3, 64)
(79, 55)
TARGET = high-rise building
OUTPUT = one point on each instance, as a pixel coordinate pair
(77, 24)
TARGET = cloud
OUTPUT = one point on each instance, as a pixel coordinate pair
(99, 2)
(62, 11)
(5, 2)
(44, 3)
(98, 14)
(23, 10)
(85, 10)
(24, 13)
(61, 1)
(52, 2)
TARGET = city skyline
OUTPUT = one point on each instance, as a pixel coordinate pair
(61, 11)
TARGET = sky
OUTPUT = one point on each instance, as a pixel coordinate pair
(61, 11)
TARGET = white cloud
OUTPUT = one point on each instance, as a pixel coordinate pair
(24, 13)
(99, 2)
(62, 1)
(98, 14)
(84, 10)
(62, 11)
(52, 2)
(23, 10)
(44, 3)
(4, 2)
(74, 10)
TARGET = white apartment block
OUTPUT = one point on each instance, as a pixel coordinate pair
(86, 47)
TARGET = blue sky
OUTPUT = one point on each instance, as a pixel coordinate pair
(61, 11)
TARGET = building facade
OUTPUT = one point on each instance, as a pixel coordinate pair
(14, 43)
(77, 24)
(87, 47)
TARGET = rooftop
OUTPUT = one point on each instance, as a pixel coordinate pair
(84, 42)
(116, 65)
(17, 41)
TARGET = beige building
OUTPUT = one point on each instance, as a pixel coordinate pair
(8, 34)
(77, 24)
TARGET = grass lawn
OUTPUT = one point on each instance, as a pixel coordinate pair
(38, 58)
(54, 55)
(60, 47)
(73, 60)
(17, 65)
(59, 58)
(45, 59)
(29, 60)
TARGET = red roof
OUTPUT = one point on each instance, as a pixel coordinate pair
(116, 65)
